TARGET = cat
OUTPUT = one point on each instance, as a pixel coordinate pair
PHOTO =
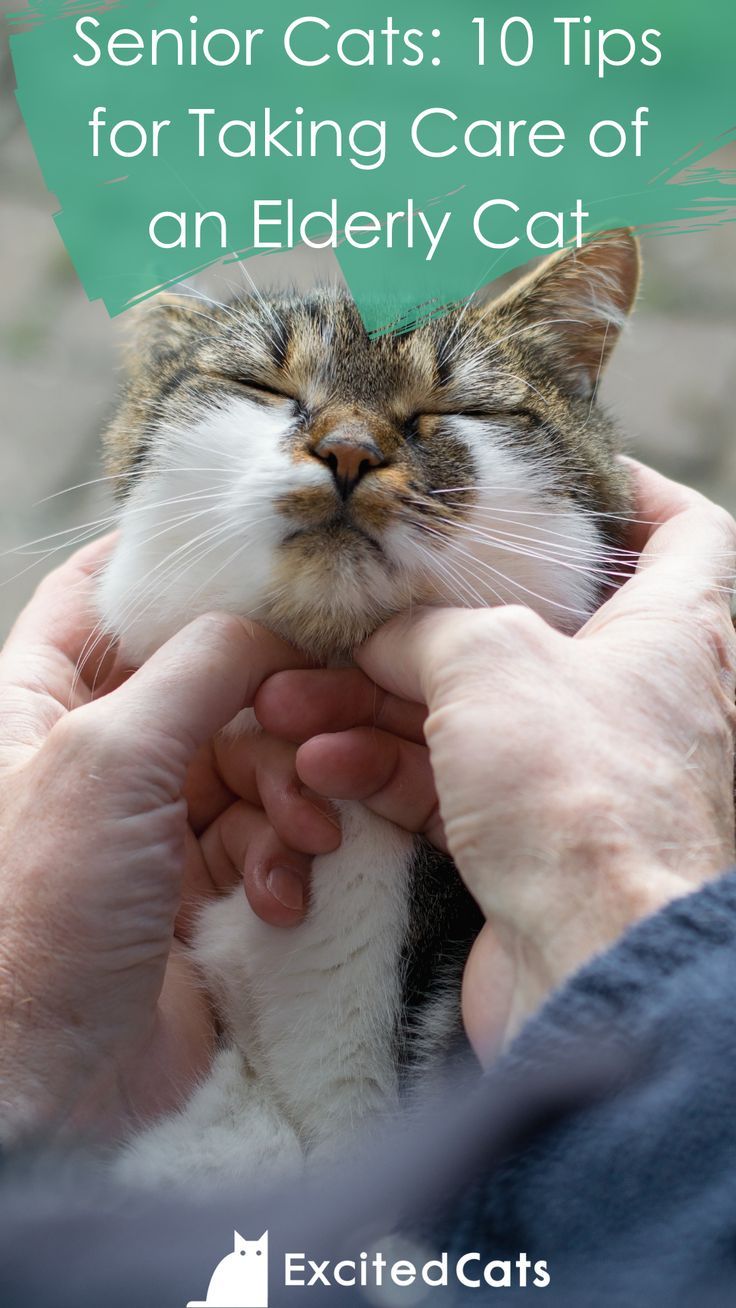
(240, 1280)
(277, 462)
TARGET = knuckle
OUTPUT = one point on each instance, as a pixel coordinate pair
(72, 732)
(715, 746)
(50, 582)
(481, 641)
(244, 727)
(82, 737)
(221, 627)
(229, 623)
(725, 730)
(482, 629)
(517, 622)
(716, 632)
(720, 525)
(726, 522)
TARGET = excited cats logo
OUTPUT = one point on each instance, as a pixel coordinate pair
(240, 1280)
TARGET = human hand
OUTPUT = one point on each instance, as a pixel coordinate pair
(579, 783)
(99, 1015)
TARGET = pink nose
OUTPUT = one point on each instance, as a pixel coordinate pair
(348, 461)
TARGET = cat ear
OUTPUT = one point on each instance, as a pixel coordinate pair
(239, 1242)
(263, 1240)
(574, 306)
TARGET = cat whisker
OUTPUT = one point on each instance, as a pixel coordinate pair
(99, 524)
(494, 510)
(260, 299)
(195, 293)
(597, 514)
(206, 317)
(544, 533)
(604, 564)
(440, 562)
(523, 381)
(183, 560)
(470, 301)
(549, 551)
(518, 586)
(91, 645)
(588, 569)
(601, 361)
(150, 585)
(138, 474)
(521, 331)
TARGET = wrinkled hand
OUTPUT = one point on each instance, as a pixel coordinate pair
(98, 1015)
(579, 783)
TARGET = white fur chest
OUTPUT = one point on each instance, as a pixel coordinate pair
(310, 1017)
(313, 1011)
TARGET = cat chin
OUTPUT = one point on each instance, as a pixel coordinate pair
(326, 634)
(326, 603)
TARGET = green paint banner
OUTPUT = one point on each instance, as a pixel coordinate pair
(433, 147)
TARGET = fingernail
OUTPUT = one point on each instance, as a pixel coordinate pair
(322, 805)
(286, 886)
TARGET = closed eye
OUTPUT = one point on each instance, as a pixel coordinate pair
(498, 415)
(260, 388)
(412, 424)
(247, 383)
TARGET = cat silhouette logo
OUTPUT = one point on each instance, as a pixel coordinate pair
(241, 1279)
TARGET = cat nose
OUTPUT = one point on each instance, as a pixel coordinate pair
(348, 461)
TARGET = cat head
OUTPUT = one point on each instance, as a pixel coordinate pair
(251, 1248)
(275, 461)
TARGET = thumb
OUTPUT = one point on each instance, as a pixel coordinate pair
(190, 688)
(430, 655)
(402, 656)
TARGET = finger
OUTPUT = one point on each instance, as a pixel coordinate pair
(190, 688)
(656, 500)
(489, 989)
(391, 776)
(395, 657)
(242, 846)
(276, 881)
(412, 655)
(684, 528)
(262, 770)
(207, 875)
(51, 644)
(206, 794)
(112, 672)
(688, 559)
(301, 704)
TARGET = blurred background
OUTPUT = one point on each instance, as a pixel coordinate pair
(672, 383)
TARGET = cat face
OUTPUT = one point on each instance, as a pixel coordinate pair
(276, 462)
(251, 1249)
